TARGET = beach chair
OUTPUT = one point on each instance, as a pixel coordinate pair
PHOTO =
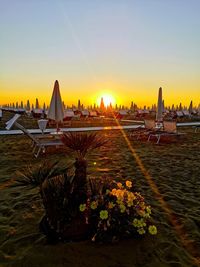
(169, 129)
(39, 144)
(143, 130)
(196, 128)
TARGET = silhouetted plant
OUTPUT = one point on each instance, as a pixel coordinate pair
(62, 195)
(35, 175)
(57, 198)
(81, 144)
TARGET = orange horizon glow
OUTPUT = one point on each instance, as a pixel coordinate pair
(90, 95)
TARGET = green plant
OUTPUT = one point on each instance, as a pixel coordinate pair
(35, 175)
(56, 193)
(63, 194)
(116, 212)
(81, 143)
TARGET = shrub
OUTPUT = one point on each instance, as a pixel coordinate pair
(116, 212)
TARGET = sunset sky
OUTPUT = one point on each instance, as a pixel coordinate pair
(125, 48)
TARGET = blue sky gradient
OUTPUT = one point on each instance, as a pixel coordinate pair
(124, 47)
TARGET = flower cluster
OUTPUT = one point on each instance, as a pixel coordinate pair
(118, 212)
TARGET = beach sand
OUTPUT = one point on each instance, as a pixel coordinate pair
(172, 171)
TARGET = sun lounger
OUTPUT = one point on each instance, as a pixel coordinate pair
(143, 130)
(169, 129)
(186, 113)
(39, 144)
(179, 114)
(196, 128)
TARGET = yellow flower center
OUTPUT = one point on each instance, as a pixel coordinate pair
(104, 214)
(82, 207)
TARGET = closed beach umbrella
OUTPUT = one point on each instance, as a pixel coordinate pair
(44, 107)
(190, 108)
(199, 108)
(37, 106)
(44, 110)
(28, 105)
(56, 111)
(159, 106)
(163, 106)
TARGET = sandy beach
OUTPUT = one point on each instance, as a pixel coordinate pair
(173, 168)
(100, 133)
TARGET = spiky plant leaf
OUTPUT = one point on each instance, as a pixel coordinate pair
(99, 186)
(35, 175)
(81, 143)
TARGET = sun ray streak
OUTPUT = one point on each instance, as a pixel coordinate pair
(183, 237)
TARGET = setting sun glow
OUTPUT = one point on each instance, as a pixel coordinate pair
(107, 98)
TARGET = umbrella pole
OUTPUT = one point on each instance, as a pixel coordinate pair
(57, 129)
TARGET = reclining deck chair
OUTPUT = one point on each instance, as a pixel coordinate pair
(38, 143)
(196, 128)
(149, 126)
(169, 129)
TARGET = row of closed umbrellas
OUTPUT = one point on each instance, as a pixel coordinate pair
(56, 110)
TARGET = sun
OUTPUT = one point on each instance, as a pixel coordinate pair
(107, 99)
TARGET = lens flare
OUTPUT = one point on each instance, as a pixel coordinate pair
(107, 99)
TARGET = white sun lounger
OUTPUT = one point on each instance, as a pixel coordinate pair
(149, 125)
(38, 143)
(169, 129)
